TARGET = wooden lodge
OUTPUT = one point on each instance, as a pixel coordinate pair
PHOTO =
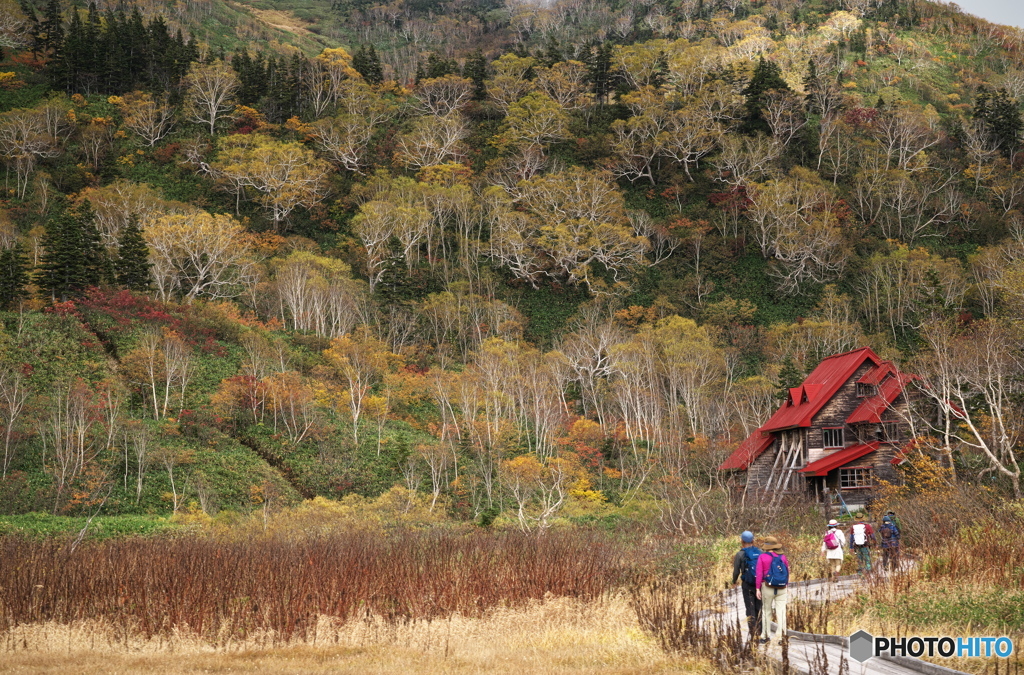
(841, 430)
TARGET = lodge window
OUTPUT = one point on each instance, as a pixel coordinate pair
(832, 438)
(889, 431)
(865, 390)
(855, 478)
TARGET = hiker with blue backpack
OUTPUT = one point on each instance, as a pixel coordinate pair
(744, 568)
(889, 534)
(772, 578)
(833, 545)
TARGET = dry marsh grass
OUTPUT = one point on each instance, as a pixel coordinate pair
(966, 583)
(352, 601)
(553, 635)
(227, 590)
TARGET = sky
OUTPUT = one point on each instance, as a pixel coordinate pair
(1009, 12)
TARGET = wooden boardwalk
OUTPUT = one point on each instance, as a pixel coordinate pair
(818, 653)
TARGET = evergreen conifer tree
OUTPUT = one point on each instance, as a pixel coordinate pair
(599, 68)
(789, 377)
(661, 70)
(13, 276)
(132, 265)
(35, 27)
(812, 85)
(475, 69)
(1000, 114)
(551, 54)
(438, 66)
(767, 76)
(53, 26)
(73, 258)
(859, 43)
(367, 63)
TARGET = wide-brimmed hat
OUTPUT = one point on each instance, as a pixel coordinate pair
(833, 522)
(771, 544)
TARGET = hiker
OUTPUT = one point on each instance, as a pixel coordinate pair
(744, 566)
(862, 538)
(889, 535)
(833, 545)
(772, 578)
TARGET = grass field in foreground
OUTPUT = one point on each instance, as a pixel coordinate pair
(555, 635)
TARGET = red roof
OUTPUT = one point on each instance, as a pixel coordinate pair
(901, 454)
(873, 406)
(820, 386)
(876, 375)
(748, 451)
(828, 463)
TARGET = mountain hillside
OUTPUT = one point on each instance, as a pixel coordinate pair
(525, 260)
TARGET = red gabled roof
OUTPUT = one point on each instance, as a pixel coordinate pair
(820, 386)
(831, 462)
(876, 375)
(748, 451)
(873, 406)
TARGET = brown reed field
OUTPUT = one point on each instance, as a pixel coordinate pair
(420, 600)
(308, 593)
(229, 589)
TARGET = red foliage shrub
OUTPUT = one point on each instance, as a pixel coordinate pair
(860, 117)
(167, 153)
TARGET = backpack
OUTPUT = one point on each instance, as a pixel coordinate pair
(778, 572)
(750, 556)
(860, 537)
(887, 532)
(832, 540)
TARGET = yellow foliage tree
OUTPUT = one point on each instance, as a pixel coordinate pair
(199, 255)
(532, 121)
(285, 175)
(360, 361)
(209, 92)
(148, 118)
(581, 220)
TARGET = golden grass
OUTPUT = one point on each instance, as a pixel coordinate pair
(281, 20)
(556, 635)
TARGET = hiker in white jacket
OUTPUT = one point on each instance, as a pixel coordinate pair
(834, 556)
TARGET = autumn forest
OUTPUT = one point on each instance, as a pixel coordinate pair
(525, 262)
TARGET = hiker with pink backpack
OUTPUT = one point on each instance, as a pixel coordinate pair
(833, 545)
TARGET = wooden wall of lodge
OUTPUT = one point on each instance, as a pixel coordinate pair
(764, 471)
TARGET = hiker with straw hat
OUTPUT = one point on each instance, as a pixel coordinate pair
(772, 578)
(833, 546)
